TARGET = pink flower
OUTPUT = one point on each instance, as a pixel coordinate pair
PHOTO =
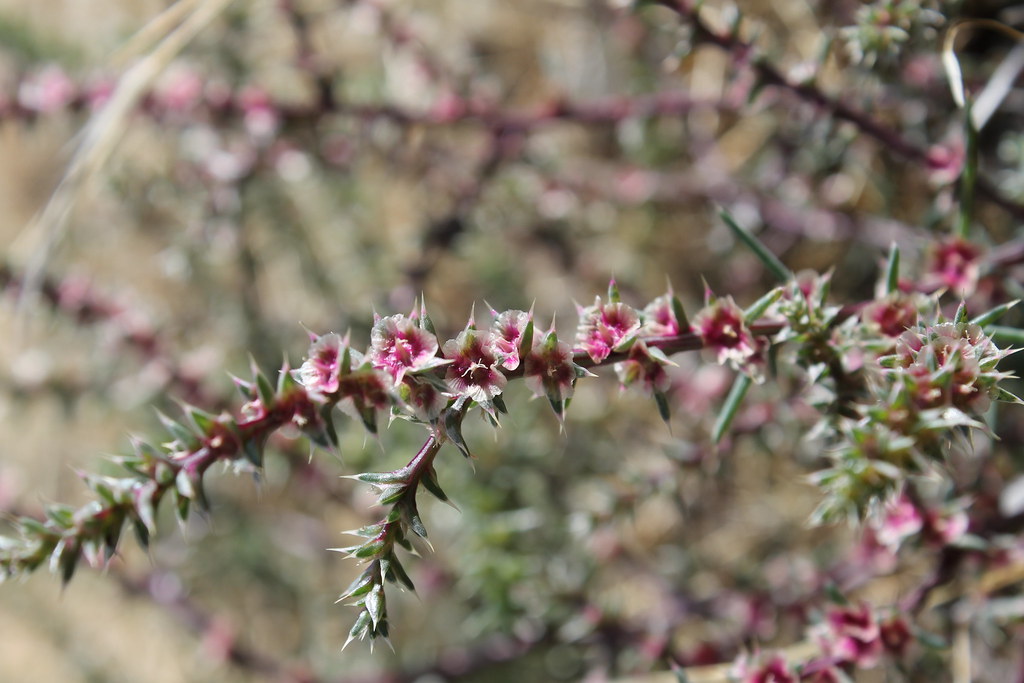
(426, 400)
(724, 332)
(660, 318)
(399, 346)
(942, 527)
(892, 316)
(508, 328)
(896, 636)
(335, 372)
(46, 91)
(954, 265)
(549, 371)
(947, 365)
(259, 116)
(772, 670)
(474, 367)
(822, 670)
(320, 372)
(646, 366)
(179, 91)
(363, 392)
(855, 636)
(605, 328)
(900, 520)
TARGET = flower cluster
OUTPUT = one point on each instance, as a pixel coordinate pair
(935, 377)
(918, 380)
(949, 365)
(850, 638)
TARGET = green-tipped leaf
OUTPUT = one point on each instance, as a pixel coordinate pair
(453, 429)
(961, 314)
(526, 341)
(759, 307)
(770, 260)
(663, 408)
(679, 313)
(264, 389)
(429, 482)
(995, 314)
(731, 406)
(892, 270)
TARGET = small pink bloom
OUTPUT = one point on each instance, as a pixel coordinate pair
(47, 91)
(645, 366)
(855, 636)
(892, 316)
(772, 670)
(474, 368)
(399, 346)
(320, 372)
(943, 527)
(508, 328)
(946, 162)
(364, 389)
(549, 371)
(822, 670)
(259, 115)
(98, 92)
(660, 318)
(179, 91)
(605, 328)
(900, 520)
(954, 265)
(724, 332)
(948, 365)
(425, 399)
(896, 635)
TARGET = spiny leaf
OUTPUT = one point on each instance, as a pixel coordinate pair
(395, 477)
(416, 524)
(770, 260)
(399, 575)
(286, 382)
(453, 427)
(995, 314)
(327, 415)
(178, 431)
(732, 403)
(613, 292)
(758, 308)
(961, 313)
(68, 561)
(252, 449)
(679, 313)
(141, 533)
(425, 322)
(429, 482)
(360, 586)
(391, 494)
(360, 629)
(663, 408)
(61, 515)
(369, 549)
(181, 507)
(526, 341)
(264, 389)
(369, 531)
(375, 605)
(892, 270)
(200, 419)
(1006, 335)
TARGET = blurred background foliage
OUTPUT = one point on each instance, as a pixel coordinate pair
(344, 178)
